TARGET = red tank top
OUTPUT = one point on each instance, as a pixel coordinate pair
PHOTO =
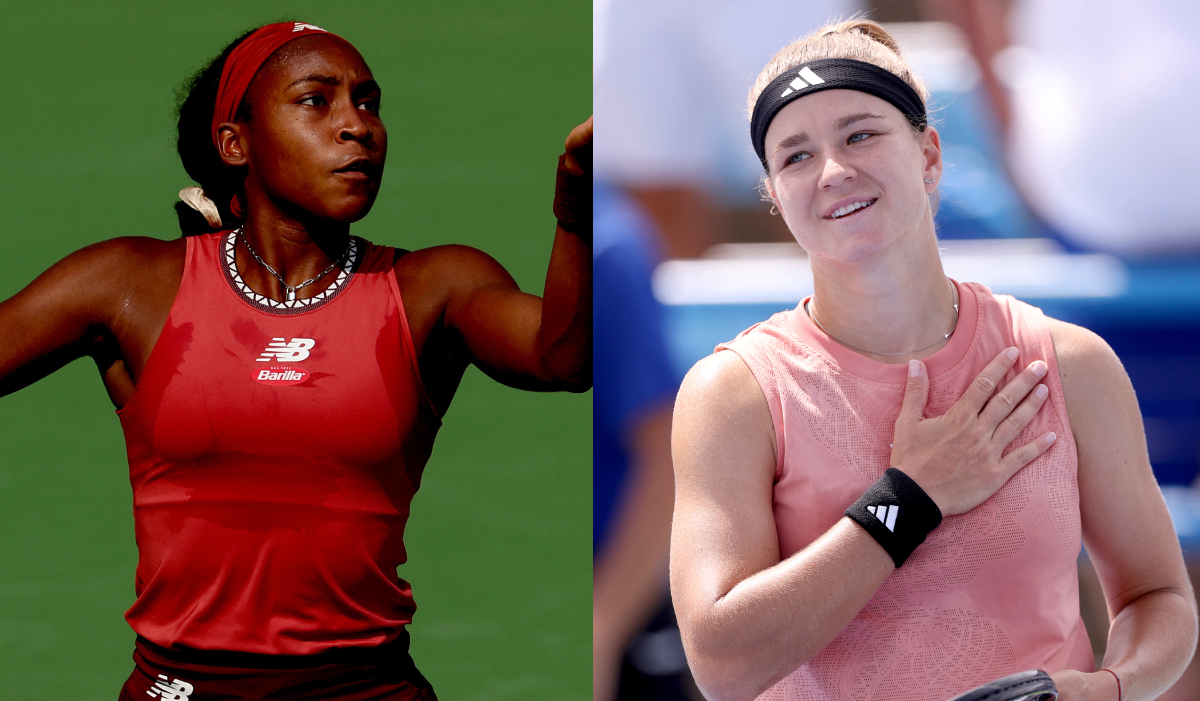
(273, 451)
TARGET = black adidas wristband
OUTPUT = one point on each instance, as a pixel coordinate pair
(573, 202)
(897, 513)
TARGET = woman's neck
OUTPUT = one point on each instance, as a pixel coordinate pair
(297, 250)
(894, 307)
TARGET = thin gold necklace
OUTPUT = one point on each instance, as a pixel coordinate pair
(953, 300)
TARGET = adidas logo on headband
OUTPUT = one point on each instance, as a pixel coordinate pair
(300, 27)
(798, 84)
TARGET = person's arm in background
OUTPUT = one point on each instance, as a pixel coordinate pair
(633, 480)
(985, 22)
(1126, 528)
(628, 574)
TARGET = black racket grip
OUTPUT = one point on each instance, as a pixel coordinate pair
(1030, 685)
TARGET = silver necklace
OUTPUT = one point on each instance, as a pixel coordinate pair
(953, 300)
(290, 290)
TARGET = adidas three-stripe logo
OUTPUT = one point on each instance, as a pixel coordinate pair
(799, 84)
(886, 514)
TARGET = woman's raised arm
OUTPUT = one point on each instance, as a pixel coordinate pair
(520, 339)
(1126, 528)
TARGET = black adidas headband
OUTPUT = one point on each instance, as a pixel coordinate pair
(830, 74)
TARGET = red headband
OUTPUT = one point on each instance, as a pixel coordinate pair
(245, 60)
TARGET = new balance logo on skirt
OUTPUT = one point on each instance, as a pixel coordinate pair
(178, 690)
(799, 84)
(887, 514)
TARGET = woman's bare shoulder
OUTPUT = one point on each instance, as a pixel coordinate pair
(724, 380)
(109, 270)
(720, 404)
(1099, 398)
(1086, 362)
(453, 262)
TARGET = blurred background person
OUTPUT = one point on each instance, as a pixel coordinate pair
(632, 483)
(1086, 115)
(670, 89)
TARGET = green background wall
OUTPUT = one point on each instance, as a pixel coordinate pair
(478, 98)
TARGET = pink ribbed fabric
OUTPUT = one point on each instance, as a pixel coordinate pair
(990, 592)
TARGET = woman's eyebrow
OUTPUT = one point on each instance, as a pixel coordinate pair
(367, 86)
(316, 78)
(793, 140)
(847, 121)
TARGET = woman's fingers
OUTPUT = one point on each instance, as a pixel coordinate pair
(1027, 453)
(1003, 405)
(981, 388)
(916, 394)
(1012, 425)
(579, 146)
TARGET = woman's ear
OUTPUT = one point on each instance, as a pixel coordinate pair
(769, 191)
(931, 151)
(230, 144)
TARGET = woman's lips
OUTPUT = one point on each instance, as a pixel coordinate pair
(851, 208)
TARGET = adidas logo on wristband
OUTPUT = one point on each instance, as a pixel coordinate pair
(886, 514)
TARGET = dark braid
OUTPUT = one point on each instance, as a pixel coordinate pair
(197, 98)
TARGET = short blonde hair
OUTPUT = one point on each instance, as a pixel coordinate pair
(856, 38)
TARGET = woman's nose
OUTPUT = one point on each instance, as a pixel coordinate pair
(352, 126)
(835, 173)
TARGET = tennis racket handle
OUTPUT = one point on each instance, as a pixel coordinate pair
(1030, 685)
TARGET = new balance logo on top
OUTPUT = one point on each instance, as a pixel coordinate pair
(887, 514)
(799, 84)
(292, 351)
(178, 690)
(300, 27)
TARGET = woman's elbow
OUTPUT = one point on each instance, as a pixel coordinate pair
(717, 681)
(722, 671)
(568, 372)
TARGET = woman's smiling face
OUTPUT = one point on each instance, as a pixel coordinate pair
(847, 172)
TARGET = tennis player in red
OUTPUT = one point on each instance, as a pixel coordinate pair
(280, 381)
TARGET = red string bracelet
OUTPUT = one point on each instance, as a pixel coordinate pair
(1106, 669)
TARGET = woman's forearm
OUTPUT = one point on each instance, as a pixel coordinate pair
(1151, 641)
(565, 334)
(776, 620)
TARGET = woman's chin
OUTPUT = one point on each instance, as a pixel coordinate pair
(349, 210)
(851, 251)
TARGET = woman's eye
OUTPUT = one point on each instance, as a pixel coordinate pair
(371, 105)
(797, 157)
(858, 136)
(313, 100)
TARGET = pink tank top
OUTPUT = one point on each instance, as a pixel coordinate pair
(990, 592)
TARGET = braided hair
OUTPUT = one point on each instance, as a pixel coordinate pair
(197, 99)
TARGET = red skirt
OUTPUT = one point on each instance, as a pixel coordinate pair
(385, 673)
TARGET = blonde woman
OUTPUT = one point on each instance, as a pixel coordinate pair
(859, 513)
